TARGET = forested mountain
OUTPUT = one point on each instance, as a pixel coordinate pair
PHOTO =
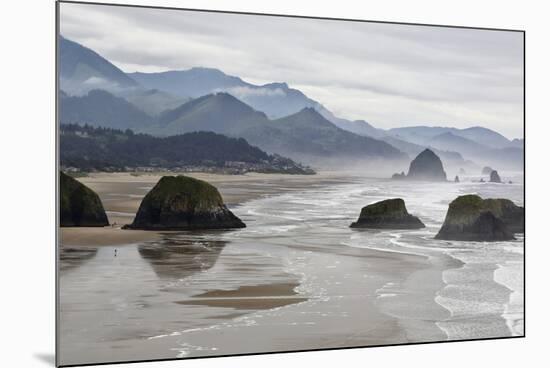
(101, 108)
(303, 133)
(89, 148)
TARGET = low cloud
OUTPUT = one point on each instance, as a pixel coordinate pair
(244, 92)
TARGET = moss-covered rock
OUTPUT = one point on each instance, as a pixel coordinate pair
(388, 214)
(183, 203)
(470, 217)
(79, 205)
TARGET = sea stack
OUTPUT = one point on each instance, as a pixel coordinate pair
(388, 214)
(183, 203)
(486, 170)
(427, 166)
(494, 178)
(80, 206)
(457, 180)
(472, 218)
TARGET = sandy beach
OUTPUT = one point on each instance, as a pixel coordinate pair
(121, 194)
(296, 278)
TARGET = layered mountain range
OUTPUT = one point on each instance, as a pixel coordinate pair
(275, 117)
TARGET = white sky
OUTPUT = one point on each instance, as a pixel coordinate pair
(390, 75)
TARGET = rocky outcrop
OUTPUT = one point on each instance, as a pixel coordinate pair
(426, 166)
(494, 178)
(457, 180)
(388, 214)
(472, 218)
(183, 203)
(486, 170)
(398, 176)
(79, 205)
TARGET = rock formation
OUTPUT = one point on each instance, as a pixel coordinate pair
(397, 176)
(474, 219)
(426, 166)
(494, 178)
(486, 170)
(183, 203)
(457, 180)
(388, 214)
(79, 205)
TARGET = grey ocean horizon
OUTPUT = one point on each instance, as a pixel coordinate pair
(330, 286)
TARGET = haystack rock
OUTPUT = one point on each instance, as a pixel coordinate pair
(472, 218)
(426, 166)
(183, 203)
(494, 178)
(388, 214)
(80, 206)
(486, 170)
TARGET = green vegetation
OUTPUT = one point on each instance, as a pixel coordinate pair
(79, 205)
(387, 214)
(183, 203)
(87, 148)
(470, 217)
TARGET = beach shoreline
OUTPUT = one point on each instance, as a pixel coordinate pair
(295, 271)
(121, 195)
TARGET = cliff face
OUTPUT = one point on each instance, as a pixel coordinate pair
(184, 203)
(80, 206)
(494, 178)
(388, 214)
(471, 218)
(427, 166)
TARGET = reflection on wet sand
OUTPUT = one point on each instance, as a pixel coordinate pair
(75, 257)
(180, 257)
(257, 297)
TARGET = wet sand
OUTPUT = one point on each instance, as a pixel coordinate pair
(296, 278)
(121, 195)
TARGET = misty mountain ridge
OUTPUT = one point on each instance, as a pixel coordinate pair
(100, 108)
(305, 132)
(82, 69)
(163, 98)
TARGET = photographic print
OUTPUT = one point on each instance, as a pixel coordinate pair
(233, 183)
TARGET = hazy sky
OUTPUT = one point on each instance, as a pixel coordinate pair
(390, 75)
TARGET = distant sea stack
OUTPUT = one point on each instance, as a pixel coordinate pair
(387, 214)
(426, 166)
(494, 178)
(472, 218)
(183, 203)
(80, 206)
(487, 170)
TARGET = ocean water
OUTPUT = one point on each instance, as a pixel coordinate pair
(351, 287)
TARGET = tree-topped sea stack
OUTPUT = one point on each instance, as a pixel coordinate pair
(387, 214)
(472, 218)
(80, 206)
(183, 203)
